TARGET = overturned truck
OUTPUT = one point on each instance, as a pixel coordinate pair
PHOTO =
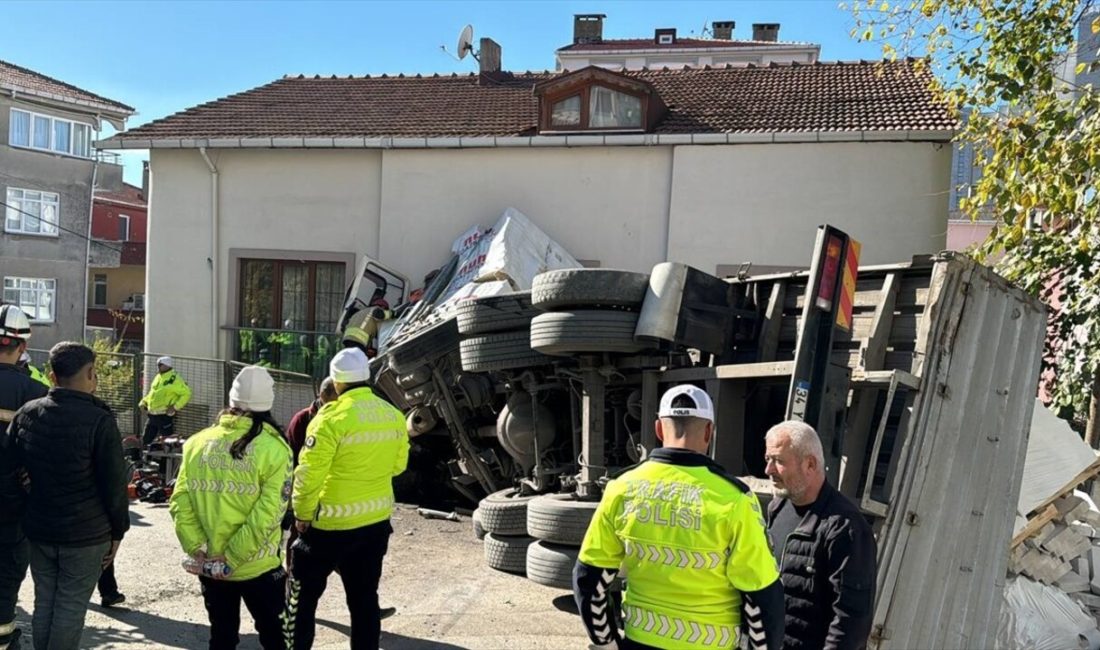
(920, 378)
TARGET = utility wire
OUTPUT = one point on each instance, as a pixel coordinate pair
(62, 228)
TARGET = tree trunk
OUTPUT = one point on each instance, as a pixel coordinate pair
(1092, 427)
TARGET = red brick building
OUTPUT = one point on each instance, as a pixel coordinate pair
(116, 265)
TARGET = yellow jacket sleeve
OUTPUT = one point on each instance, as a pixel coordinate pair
(182, 393)
(313, 467)
(267, 513)
(751, 565)
(602, 547)
(189, 531)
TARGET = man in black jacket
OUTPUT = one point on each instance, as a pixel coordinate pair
(825, 549)
(77, 512)
(17, 387)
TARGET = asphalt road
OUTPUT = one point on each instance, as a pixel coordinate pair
(434, 575)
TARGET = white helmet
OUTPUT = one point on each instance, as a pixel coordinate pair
(14, 324)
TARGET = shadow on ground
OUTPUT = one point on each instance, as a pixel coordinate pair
(156, 630)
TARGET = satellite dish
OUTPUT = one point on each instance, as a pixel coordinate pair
(465, 41)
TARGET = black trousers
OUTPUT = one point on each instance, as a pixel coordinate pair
(15, 557)
(358, 555)
(107, 584)
(265, 598)
(158, 425)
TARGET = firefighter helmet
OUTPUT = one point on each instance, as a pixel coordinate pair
(13, 325)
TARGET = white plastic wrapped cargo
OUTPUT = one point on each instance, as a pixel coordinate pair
(942, 557)
(1037, 617)
(520, 250)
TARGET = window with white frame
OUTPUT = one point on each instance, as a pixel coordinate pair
(31, 212)
(36, 131)
(123, 227)
(99, 292)
(35, 296)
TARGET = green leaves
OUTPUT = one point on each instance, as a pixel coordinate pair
(1036, 136)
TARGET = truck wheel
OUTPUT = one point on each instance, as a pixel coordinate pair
(417, 395)
(495, 314)
(427, 346)
(479, 532)
(507, 553)
(504, 512)
(568, 288)
(565, 333)
(500, 351)
(559, 518)
(551, 565)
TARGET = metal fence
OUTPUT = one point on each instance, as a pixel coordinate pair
(125, 378)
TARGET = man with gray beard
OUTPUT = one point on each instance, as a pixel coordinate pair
(824, 546)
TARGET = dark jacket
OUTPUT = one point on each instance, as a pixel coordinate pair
(71, 448)
(16, 389)
(296, 430)
(828, 571)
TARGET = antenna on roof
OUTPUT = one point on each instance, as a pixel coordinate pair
(465, 44)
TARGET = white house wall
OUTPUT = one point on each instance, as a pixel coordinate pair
(602, 203)
(760, 203)
(625, 207)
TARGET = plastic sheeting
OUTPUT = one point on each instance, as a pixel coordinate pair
(1037, 617)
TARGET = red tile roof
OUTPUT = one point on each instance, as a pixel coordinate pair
(680, 44)
(129, 194)
(19, 78)
(857, 96)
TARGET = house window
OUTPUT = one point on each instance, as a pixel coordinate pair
(123, 227)
(291, 294)
(611, 109)
(99, 294)
(665, 39)
(31, 212)
(566, 112)
(35, 296)
(49, 134)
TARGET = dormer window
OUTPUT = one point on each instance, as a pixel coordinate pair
(594, 99)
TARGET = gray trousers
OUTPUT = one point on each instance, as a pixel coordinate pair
(64, 578)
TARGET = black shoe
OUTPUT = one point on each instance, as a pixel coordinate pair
(12, 642)
(386, 612)
(112, 600)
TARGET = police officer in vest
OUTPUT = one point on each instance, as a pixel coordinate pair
(17, 387)
(691, 539)
(343, 499)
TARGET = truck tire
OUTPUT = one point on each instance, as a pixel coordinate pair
(427, 346)
(495, 314)
(500, 351)
(567, 288)
(417, 395)
(565, 333)
(475, 518)
(504, 512)
(551, 565)
(507, 553)
(559, 518)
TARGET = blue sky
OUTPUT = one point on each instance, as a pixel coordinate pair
(163, 57)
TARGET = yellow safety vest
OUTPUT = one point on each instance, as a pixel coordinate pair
(233, 507)
(690, 541)
(354, 447)
(167, 389)
(39, 376)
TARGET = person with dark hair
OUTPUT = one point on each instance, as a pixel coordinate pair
(343, 499)
(296, 430)
(230, 497)
(77, 511)
(692, 540)
(17, 387)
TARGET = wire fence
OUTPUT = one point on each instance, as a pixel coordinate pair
(125, 378)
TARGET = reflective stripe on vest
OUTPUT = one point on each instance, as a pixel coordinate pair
(221, 487)
(380, 504)
(678, 629)
(372, 437)
(675, 557)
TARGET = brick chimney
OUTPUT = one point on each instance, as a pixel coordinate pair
(488, 57)
(722, 30)
(765, 32)
(588, 28)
